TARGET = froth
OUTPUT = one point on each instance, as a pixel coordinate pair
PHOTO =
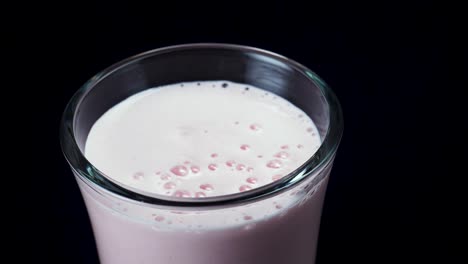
(201, 139)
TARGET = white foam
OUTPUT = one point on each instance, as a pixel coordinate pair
(201, 139)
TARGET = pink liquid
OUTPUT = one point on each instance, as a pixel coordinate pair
(200, 140)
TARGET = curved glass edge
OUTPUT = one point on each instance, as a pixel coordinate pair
(100, 182)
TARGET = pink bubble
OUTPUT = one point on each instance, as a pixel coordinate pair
(138, 176)
(206, 187)
(244, 188)
(252, 180)
(282, 155)
(169, 185)
(284, 147)
(276, 177)
(240, 167)
(165, 176)
(200, 194)
(274, 164)
(300, 146)
(247, 217)
(182, 193)
(245, 147)
(230, 163)
(250, 169)
(255, 127)
(212, 167)
(195, 169)
(214, 155)
(179, 170)
(159, 218)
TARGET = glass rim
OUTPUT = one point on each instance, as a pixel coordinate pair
(100, 182)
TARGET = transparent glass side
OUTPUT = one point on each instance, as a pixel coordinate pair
(280, 229)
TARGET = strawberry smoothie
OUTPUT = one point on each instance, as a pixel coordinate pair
(201, 140)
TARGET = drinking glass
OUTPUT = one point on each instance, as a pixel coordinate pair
(132, 226)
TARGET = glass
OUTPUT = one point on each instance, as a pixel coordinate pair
(131, 226)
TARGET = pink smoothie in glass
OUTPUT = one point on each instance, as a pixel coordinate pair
(197, 140)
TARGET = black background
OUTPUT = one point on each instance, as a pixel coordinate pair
(399, 70)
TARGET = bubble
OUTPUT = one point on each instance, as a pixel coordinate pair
(240, 167)
(282, 155)
(230, 163)
(245, 147)
(200, 194)
(247, 217)
(159, 218)
(276, 177)
(224, 85)
(179, 170)
(260, 156)
(206, 187)
(246, 88)
(195, 169)
(310, 129)
(274, 164)
(255, 127)
(186, 162)
(244, 188)
(252, 180)
(300, 146)
(165, 176)
(236, 123)
(285, 147)
(182, 193)
(278, 206)
(214, 155)
(212, 167)
(169, 185)
(250, 169)
(138, 175)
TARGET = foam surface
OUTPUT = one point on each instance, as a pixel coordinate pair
(201, 139)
